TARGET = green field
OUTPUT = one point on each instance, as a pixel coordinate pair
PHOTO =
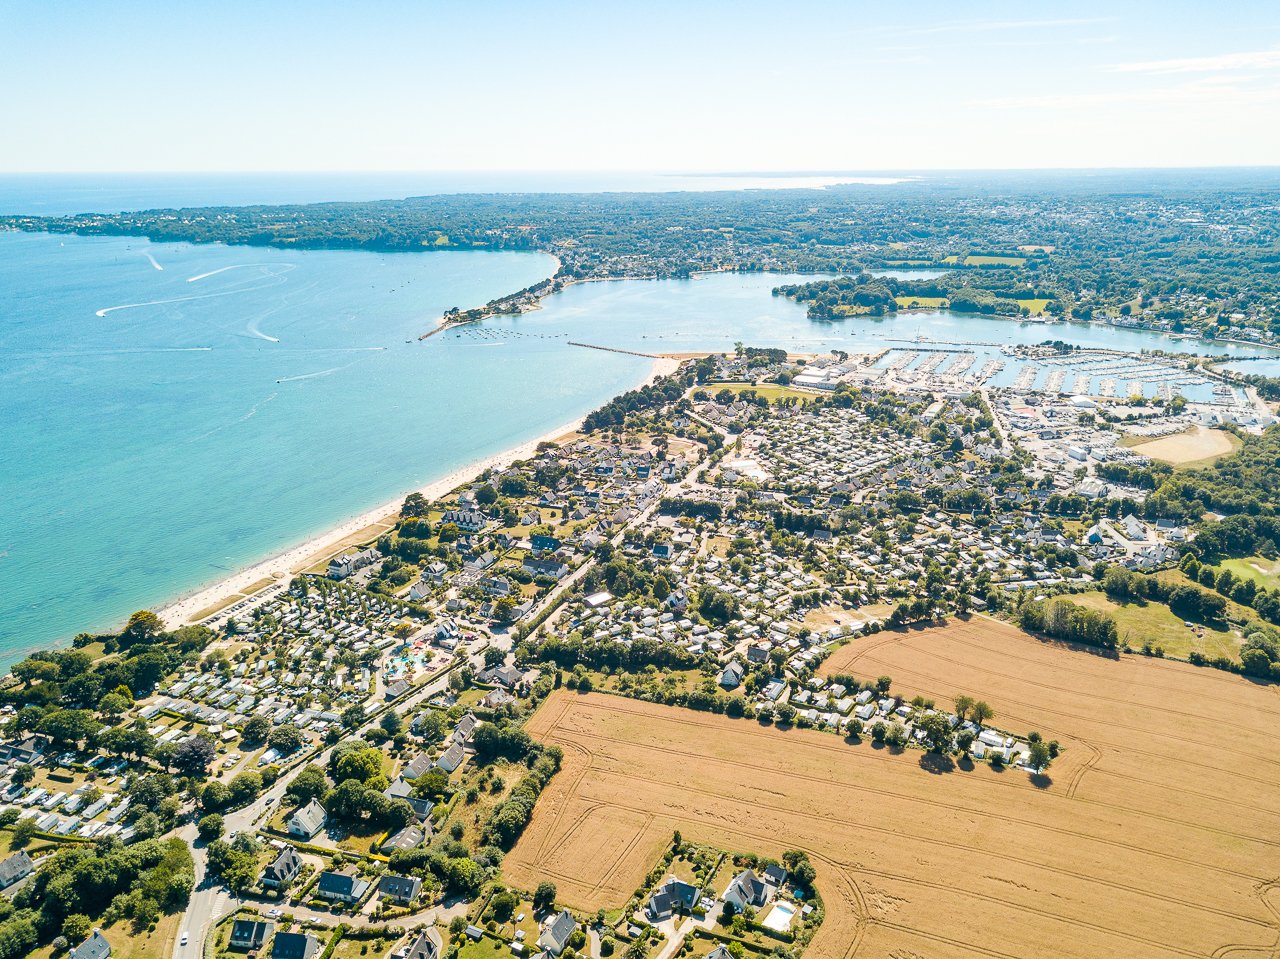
(1264, 572)
(920, 302)
(1035, 306)
(769, 391)
(994, 260)
(1155, 623)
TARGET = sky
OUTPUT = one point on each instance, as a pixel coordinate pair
(679, 87)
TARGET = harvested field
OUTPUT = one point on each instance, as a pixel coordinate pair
(1158, 834)
(1196, 446)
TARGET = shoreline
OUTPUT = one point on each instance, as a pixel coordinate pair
(282, 566)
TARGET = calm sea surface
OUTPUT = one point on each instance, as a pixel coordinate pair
(170, 412)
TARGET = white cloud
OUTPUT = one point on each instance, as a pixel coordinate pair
(1251, 60)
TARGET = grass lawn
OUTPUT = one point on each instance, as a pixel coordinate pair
(1264, 572)
(769, 391)
(685, 870)
(719, 546)
(318, 562)
(486, 948)
(994, 260)
(1158, 625)
(703, 945)
(36, 845)
(362, 843)
(218, 606)
(920, 302)
(156, 944)
(683, 679)
(1192, 448)
(469, 698)
(1035, 306)
(528, 925)
(352, 948)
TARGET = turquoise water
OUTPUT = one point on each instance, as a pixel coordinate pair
(162, 427)
(1268, 367)
(150, 449)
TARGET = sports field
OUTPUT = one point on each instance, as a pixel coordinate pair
(1157, 832)
(1196, 446)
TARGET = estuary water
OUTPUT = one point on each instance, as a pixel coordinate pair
(170, 412)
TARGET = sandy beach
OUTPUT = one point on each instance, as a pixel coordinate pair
(283, 566)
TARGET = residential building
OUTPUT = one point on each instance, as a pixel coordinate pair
(402, 890)
(294, 945)
(556, 933)
(95, 947)
(307, 821)
(343, 886)
(249, 934)
(16, 867)
(282, 870)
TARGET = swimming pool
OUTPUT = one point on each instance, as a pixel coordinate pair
(779, 917)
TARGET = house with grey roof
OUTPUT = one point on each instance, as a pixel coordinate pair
(451, 758)
(395, 689)
(731, 676)
(420, 764)
(402, 790)
(282, 870)
(671, 897)
(556, 933)
(308, 820)
(402, 890)
(95, 947)
(294, 945)
(18, 866)
(748, 889)
(466, 726)
(343, 886)
(426, 945)
(249, 934)
(410, 837)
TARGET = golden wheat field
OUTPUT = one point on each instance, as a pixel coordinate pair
(1157, 834)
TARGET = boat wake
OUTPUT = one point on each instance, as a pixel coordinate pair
(237, 266)
(153, 262)
(310, 376)
(272, 279)
(252, 329)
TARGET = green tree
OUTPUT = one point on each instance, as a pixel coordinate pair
(210, 827)
(255, 730)
(194, 755)
(415, 505)
(286, 739)
(309, 784)
(1039, 756)
(544, 897)
(24, 830)
(142, 627)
